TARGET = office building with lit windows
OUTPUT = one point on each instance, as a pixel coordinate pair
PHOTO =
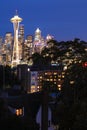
(32, 77)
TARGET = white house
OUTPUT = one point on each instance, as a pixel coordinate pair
(38, 119)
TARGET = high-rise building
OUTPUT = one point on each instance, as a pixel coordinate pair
(21, 33)
(37, 34)
(16, 58)
(49, 37)
(1, 44)
(8, 45)
(30, 44)
(28, 47)
(39, 42)
(8, 38)
(21, 41)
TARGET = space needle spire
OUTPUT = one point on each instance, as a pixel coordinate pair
(15, 57)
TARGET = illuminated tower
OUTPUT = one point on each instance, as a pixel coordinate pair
(39, 42)
(37, 34)
(15, 57)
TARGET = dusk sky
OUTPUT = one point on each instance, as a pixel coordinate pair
(64, 19)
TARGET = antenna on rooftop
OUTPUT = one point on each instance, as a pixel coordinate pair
(16, 12)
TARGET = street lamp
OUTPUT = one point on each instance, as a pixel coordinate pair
(3, 77)
(28, 80)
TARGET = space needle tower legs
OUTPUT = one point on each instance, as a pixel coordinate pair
(15, 57)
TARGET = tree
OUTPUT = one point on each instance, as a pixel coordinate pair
(8, 77)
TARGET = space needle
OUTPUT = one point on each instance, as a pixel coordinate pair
(15, 56)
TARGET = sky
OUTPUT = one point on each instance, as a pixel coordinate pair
(63, 19)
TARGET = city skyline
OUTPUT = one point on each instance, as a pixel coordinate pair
(65, 20)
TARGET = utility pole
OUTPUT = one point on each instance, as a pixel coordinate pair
(3, 77)
(44, 112)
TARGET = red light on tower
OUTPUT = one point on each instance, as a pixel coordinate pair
(84, 64)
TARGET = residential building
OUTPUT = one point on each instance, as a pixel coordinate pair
(32, 77)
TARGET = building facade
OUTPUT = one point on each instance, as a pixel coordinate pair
(32, 78)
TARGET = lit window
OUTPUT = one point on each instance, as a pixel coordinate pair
(55, 73)
(59, 89)
(40, 77)
(20, 112)
(59, 85)
(45, 73)
(32, 91)
(72, 82)
(47, 54)
(38, 87)
(63, 72)
(59, 76)
(63, 76)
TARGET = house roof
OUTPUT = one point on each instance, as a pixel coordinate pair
(31, 102)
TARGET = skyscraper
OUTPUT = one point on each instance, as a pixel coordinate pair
(8, 47)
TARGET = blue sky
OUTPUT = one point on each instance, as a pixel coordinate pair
(64, 19)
